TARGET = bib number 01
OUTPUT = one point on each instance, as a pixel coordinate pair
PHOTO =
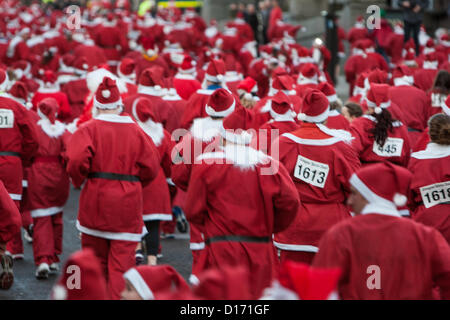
(434, 194)
(391, 148)
(6, 118)
(312, 172)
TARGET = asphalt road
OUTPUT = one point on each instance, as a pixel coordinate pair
(26, 287)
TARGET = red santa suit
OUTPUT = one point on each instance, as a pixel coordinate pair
(431, 186)
(424, 77)
(17, 48)
(10, 220)
(149, 58)
(335, 119)
(394, 44)
(382, 255)
(320, 161)
(48, 186)
(184, 81)
(110, 210)
(357, 32)
(239, 219)
(307, 78)
(397, 145)
(412, 101)
(202, 137)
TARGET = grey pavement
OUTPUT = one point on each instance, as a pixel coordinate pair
(26, 287)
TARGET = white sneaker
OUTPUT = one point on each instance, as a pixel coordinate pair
(42, 271)
(27, 236)
(54, 267)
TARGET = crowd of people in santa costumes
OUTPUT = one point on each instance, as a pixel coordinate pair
(162, 119)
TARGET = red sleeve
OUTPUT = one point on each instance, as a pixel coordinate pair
(347, 163)
(440, 264)
(10, 218)
(149, 161)
(333, 252)
(80, 151)
(195, 206)
(27, 128)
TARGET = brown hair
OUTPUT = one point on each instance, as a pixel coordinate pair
(441, 83)
(354, 109)
(439, 129)
(382, 126)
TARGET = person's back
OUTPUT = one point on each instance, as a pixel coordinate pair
(408, 256)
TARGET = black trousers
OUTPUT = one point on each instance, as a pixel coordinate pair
(151, 239)
(413, 28)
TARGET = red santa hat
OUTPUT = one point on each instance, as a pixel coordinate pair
(126, 68)
(248, 85)
(19, 92)
(150, 281)
(187, 66)
(66, 62)
(48, 109)
(431, 61)
(377, 76)
(402, 75)
(309, 73)
(315, 107)
(226, 283)
(3, 80)
(281, 107)
(410, 59)
(236, 127)
(149, 46)
(215, 71)
(445, 40)
(80, 65)
(328, 91)
(91, 286)
(291, 31)
(49, 77)
(143, 110)
(378, 97)
(307, 282)
(221, 103)
(284, 83)
(387, 193)
(429, 46)
(266, 50)
(151, 78)
(107, 95)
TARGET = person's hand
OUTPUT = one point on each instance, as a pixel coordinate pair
(416, 8)
(406, 4)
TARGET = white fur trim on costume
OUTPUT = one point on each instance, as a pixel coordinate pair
(432, 151)
(15, 196)
(404, 81)
(383, 205)
(216, 79)
(206, 129)
(287, 116)
(341, 134)
(213, 113)
(157, 216)
(332, 98)
(52, 89)
(379, 209)
(312, 142)
(114, 118)
(151, 91)
(94, 78)
(154, 130)
(135, 237)
(37, 213)
(319, 118)
(430, 65)
(109, 106)
(303, 80)
(184, 76)
(135, 278)
(241, 137)
(404, 213)
(295, 247)
(243, 157)
(196, 245)
(52, 130)
(383, 105)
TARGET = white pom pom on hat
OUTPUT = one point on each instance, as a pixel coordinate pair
(301, 116)
(106, 94)
(400, 200)
(378, 110)
(85, 66)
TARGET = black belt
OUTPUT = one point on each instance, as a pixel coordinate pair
(10, 153)
(113, 176)
(236, 238)
(413, 130)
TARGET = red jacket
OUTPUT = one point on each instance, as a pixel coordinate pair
(185, 85)
(409, 258)
(111, 209)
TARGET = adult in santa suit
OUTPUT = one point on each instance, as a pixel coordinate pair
(319, 161)
(238, 218)
(51, 89)
(431, 178)
(203, 136)
(283, 121)
(110, 210)
(357, 32)
(151, 87)
(214, 77)
(308, 78)
(149, 58)
(17, 47)
(379, 136)
(185, 81)
(412, 101)
(48, 189)
(335, 119)
(156, 196)
(394, 44)
(381, 254)
(424, 77)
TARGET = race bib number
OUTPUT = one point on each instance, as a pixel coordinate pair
(6, 118)
(434, 194)
(391, 148)
(311, 172)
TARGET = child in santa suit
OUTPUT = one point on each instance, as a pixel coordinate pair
(431, 177)
(10, 223)
(381, 254)
(48, 189)
(156, 196)
(320, 161)
(378, 136)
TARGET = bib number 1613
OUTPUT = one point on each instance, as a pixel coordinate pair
(312, 172)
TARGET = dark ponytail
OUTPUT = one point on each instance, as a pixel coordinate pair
(383, 126)
(439, 129)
